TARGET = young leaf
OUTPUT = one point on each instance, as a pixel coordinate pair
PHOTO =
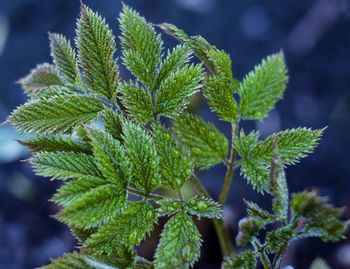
(244, 260)
(256, 211)
(94, 207)
(175, 165)
(64, 58)
(245, 143)
(176, 90)
(110, 157)
(257, 174)
(249, 227)
(203, 207)
(168, 206)
(280, 238)
(263, 87)
(179, 245)
(137, 101)
(141, 45)
(129, 228)
(142, 153)
(96, 47)
(278, 186)
(207, 144)
(64, 165)
(40, 79)
(113, 124)
(71, 261)
(57, 114)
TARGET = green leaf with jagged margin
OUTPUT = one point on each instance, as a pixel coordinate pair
(168, 206)
(72, 190)
(293, 145)
(40, 79)
(128, 228)
(142, 47)
(203, 207)
(321, 218)
(137, 101)
(96, 48)
(57, 114)
(280, 238)
(110, 158)
(70, 261)
(175, 91)
(176, 59)
(319, 264)
(143, 155)
(64, 165)
(175, 165)
(64, 58)
(207, 144)
(94, 208)
(263, 87)
(179, 245)
(278, 186)
(113, 124)
(82, 234)
(243, 260)
(254, 210)
(244, 144)
(220, 98)
(55, 143)
(257, 174)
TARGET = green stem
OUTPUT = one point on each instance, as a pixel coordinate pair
(221, 231)
(229, 173)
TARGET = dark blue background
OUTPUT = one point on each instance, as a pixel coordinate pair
(315, 37)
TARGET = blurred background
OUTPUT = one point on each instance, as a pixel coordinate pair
(315, 36)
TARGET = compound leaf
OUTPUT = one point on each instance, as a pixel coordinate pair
(113, 124)
(203, 207)
(71, 261)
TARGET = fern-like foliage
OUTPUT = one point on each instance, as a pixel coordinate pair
(122, 168)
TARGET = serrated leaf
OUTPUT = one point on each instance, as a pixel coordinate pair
(129, 228)
(293, 145)
(57, 114)
(207, 144)
(64, 58)
(112, 123)
(257, 174)
(254, 210)
(168, 206)
(280, 238)
(244, 260)
(142, 153)
(95, 207)
(110, 157)
(139, 37)
(278, 186)
(220, 98)
(64, 165)
(263, 87)
(54, 143)
(245, 143)
(175, 91)
(203, 207)
(137, 101)
(96, 47)
(175, 165)
(179, 245)
(319, 264)
(71, 261)
(40, 79)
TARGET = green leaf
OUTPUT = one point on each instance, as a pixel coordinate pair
(176, 90)
(175, 165)
(57, 114)
(179, 245)
(263, 87)
(207, 144)
(280, 238)
(319, 264)
(95, 207)
(110, 157)
(71, 261)
(203, 207)
(245, 143)
(256, 211)
(249, 227)
(113, 124)
(142, 153)
(257, 174)
(293, 145)
(168, 206)
(129, 228)
(96, 47)
(141, 45)
(220, 98)
(244, 260)
(64, 58)
(278, 186)
(40, 79)
(137, 101)
(64, 165)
